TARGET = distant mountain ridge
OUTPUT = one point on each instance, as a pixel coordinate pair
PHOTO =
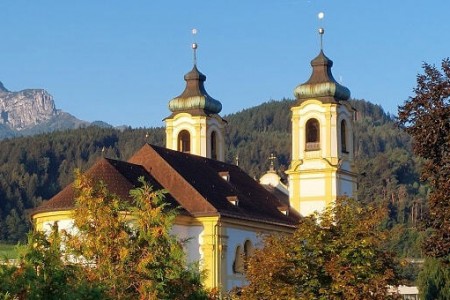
(32, 111)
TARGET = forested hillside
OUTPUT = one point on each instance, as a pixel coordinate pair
(33, 169)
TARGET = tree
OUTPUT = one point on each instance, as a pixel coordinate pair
(434, 281)
(335, 255)
(128, 247)
(41, 274)
(426, 117)
(116, 250)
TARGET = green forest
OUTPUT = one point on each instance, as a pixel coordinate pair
(33, 169)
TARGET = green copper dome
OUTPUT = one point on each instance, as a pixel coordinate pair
(195, 99)
(322, 85)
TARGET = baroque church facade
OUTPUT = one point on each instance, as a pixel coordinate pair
(223, 211)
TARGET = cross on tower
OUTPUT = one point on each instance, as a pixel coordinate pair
(272, 159)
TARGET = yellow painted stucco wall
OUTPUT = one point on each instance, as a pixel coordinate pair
(317, 177)
(217, 241)
(200, 129)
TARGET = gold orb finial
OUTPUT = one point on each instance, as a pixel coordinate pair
(321, 15)
(194, 45)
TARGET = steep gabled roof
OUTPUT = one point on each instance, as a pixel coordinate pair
(119, 176)
(199, 186)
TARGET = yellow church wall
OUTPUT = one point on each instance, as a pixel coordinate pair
(237, 233)
(312, 186)
(346, 186)
(43, 220)
(308, 207)
(205, 235)
(216, 124)
(210, 251)
(319, 186)
(218, 242)
(200, 129)
(318, 177)
(313, 165)
(194, 125)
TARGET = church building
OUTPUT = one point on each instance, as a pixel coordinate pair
(223, 211)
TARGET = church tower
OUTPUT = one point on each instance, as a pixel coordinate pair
(322, 141)
(195, 125)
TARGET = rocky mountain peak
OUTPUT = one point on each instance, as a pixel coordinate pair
(2, 88)
(26, 108)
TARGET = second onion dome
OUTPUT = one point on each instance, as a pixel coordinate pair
(322, 85)
(194, 99)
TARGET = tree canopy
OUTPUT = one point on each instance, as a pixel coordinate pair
(338, 254)
(426, 117)
(116, 250)
(434, 280)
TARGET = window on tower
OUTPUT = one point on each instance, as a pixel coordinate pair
(312, 135)
(213, 145)
(344, 136)
(184, 141)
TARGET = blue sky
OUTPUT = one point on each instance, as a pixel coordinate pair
(122, 61)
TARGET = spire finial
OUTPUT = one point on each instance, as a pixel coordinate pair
(194, 45)
(272, 159)
(321, 30)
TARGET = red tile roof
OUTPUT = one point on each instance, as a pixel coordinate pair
(119, 176)
(194, 183)
(198, 186)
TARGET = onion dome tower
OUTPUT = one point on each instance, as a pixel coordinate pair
(195, 125)
(321, 169)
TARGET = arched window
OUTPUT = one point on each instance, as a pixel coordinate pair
(312, 135)
(213, 145)
(248, 251)
(184, 141)
(238, 264)
(344, 136)
(242, 256)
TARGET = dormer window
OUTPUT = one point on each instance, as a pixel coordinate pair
(225, 176)
(284, 210)
(233, 200)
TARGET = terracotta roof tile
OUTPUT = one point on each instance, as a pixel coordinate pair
(204, 175)
(194, 183)
(119, 176)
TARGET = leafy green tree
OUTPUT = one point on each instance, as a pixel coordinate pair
(15, 226)
(434, 281)
(338, 254)
(117, 250)
(426, 117)
(41, 274)
(129, 246)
